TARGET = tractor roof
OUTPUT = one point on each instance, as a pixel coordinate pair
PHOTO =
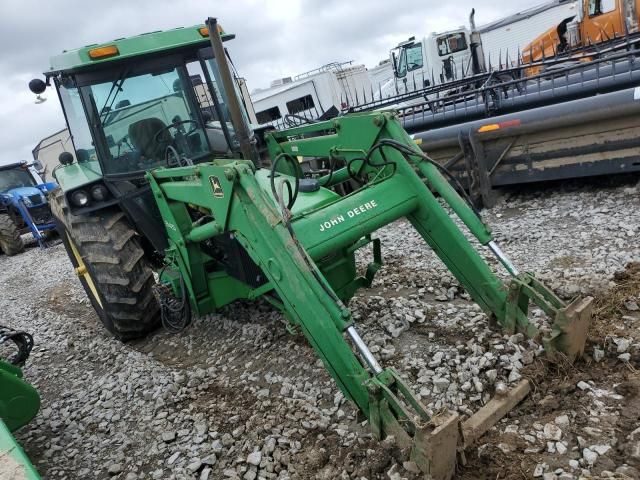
(90, 56)
(11, 166)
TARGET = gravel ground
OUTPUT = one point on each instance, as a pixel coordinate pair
(236, 396)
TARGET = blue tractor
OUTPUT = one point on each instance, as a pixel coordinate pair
(24, 207)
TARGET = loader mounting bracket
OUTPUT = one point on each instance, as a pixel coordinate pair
(570, 322)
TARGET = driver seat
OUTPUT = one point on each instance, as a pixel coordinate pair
(142, 135)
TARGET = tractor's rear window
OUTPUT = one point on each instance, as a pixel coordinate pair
(15, 178)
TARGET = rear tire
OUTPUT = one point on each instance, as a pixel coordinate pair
(112, 267)
(10, 241)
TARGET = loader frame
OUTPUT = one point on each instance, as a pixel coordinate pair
(306, 256)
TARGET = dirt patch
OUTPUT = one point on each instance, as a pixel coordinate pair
(564, 261)
(601, 401)
(619, 307)
(59, 299)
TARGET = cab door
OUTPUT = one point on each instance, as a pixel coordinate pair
(453, 55)
(603, 20)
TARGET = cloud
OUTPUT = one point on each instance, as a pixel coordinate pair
(275, 38)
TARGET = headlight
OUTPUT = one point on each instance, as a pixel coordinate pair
(80, 198)
(99, 193)
(27, 202)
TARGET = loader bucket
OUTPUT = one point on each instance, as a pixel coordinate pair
(569, 334)
(435, 446)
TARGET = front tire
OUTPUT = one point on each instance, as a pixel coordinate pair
(111, 265)
(10, 241)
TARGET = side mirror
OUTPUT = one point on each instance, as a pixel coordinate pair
(37, 86)
(65, 158)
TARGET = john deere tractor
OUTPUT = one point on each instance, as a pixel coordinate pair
(173, 206)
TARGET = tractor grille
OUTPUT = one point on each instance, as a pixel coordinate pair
(237, 261)
(35, 199)
(41, 214)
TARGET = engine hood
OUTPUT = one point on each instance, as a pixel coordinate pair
(34, 194)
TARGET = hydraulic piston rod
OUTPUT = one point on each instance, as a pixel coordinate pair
(364, 350)
(493, 246)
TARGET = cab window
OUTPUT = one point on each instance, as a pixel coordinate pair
(451, 43)
(268, 115)
(15, 178)
(410, 59)
(143, 115)
(78, 125)
(598, 7)
(300, 104)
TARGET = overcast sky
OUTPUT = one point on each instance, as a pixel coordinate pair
(274, 38)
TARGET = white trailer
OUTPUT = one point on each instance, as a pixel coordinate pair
(46, 153)
(311, 94)
(513, 33)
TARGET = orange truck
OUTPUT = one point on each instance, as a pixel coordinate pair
(596, 21)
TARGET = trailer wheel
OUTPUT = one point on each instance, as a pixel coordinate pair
(10, 241)
(112, 268)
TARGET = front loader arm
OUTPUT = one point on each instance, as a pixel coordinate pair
(309, 303)
(508, 302)
(297, 248)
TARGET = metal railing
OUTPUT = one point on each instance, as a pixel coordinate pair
(329, 67)
(507, 73)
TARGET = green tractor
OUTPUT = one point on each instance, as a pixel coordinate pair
(174, 206)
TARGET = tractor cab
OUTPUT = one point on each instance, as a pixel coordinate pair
(144, 102)
(136, 104)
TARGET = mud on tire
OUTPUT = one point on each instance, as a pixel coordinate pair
(10, 240)
(115, 263)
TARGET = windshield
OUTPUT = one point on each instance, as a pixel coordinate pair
(148, 120)
(15, 178)
(410, 58)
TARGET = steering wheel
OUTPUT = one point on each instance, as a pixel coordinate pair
(156, 137)
(173, 158)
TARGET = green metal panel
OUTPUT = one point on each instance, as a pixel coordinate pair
(343, 223)
(14, 464)
(306, 201)
(77, 174)
(137, 46)
(19, 401)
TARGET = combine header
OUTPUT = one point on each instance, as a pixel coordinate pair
(169, 185)
(571, 115)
